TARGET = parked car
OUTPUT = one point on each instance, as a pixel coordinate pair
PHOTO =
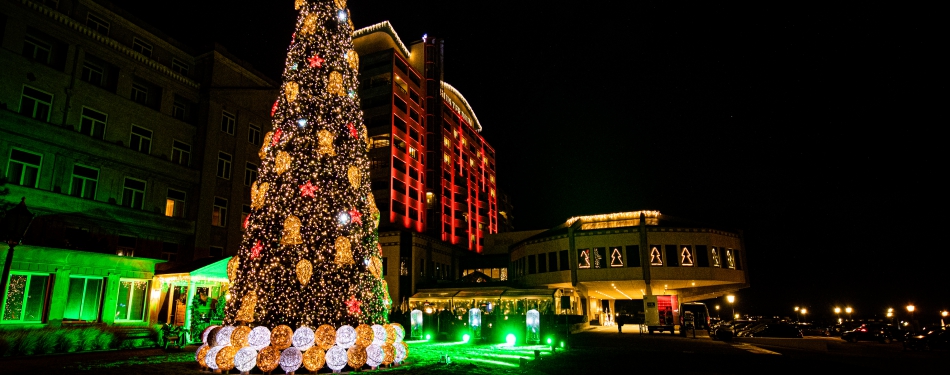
(809, 329)
(776, 330)
(935, 339)
(726, 330)
(885, 333)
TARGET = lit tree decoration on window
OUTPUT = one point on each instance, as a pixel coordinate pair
(616, 259)
(687, 257)
(585, 259)
(715, 255)
(299, 264)
(655, 258)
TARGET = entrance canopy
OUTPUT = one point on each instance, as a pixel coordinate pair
(505, 300)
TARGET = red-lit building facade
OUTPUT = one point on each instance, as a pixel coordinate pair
(432, 171)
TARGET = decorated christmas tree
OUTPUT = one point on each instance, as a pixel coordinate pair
(306, 283)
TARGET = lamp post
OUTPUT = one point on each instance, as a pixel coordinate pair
(943, 315)
(798, 315)
(804, 311)
(848, 310)
(890, 314)
(13, 227)
(720, 318)
(838, 314)
(910, 309)
(732, 299)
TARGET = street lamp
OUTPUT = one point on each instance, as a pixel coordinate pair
(798, 316)
(717, 313)
(732, 299)
(13, 227)
(848, 310)
(943, 315)
(804, 311)
(838, 314)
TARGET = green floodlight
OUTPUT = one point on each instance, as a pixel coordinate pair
(428, 336)
(466, 337)
(510, 339)
(549, 341)
(562, 344)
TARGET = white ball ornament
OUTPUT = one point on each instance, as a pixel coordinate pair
(374, 356)
(290, 359)
(400, 353)
(303, 338)
(379, 335)
(336, 358)
(259, 338)
(400, 333)
(223, 338)
(212, 355)
(245, 359)
(346, 336)
(204, 334)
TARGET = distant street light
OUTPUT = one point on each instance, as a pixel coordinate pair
(804, 311)
(943, 315)
(798, 317)
(848, 310)
(838, 314)
(732, 300)
(717, 313)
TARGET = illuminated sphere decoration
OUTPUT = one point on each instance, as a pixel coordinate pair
(290, 359)
(343, 218)
(325, 337)
(380, 334)
(201, 353)
(281, 337)
(259, 338)
(336, 358)
(211, 359)
(205, 332)
(389, 353)
(213, 336)
(356, 356)
(390, 336)
(245, 359)
(223, 338)
(314, 359)
(268, 358)
(400, 332)
(303, 338)
(239, 336)
(374, 356)
(401, 352)
(225, 358)
(346, 336)
(364, 335)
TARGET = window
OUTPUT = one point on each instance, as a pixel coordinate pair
(139, 93)
(563, 260)
(179, 110)
(227, 122)
(179, 66)
(35, 103)
(24, 168)
(181, 153)
(254, 135)
(84, 182)
(219, 214)
(542, 263)
(686, 256)
(141, 46)
(250, 174)
(133, 193)
(532, 264)
(125, 246)
(404, 266)
(84, 298)
(656, 257)
(378, 141)
(130, 304)
(141, 139)
(413, 153)
(93, 73)
(26, 297)
(245, 212)
(175, 203)
(36, 49)
(92, 123)
(224, 165)
(169, 251)
(633, 255)
(97, 24)
(716, 259)
(385, 265)
(217, 251)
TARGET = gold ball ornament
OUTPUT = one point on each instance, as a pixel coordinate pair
(233, 265)
(282, 162)
(353, 59)
(325, 143)
(344, 254)
(353, 174)
(304, 271)
(389, 354)
(258, 192)
(364, 335)
(335, 84)
(324, 337)
(356, 356)
(375, 267)
(201, 354)
(246, 313)
(390, 334)
(314, 359)
(225, 357)
(291, 90)
(291, 233)
(299, 4)
(281, 337)
(239, 336)
(309, 24)
(263, 152)
(268, 359)
(340, 4)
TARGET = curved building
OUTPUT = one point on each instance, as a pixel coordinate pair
(599, 260)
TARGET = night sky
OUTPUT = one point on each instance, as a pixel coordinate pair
(815, 131)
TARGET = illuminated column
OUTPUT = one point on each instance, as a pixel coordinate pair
(57, 305)
(111, 293)
(191, 297)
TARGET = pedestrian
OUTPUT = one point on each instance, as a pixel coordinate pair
(620, 320)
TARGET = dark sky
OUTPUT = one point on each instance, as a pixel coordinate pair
(816, 131)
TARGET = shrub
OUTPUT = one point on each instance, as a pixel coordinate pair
(69, 340)
(26, 341)
(47, 340)
(105, 339)
(87, 338)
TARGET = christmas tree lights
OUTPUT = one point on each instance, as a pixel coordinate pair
(308, 269)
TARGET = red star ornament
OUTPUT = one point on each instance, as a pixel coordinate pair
(353, 306)
(276, 140)
(256, 250)
(273, 109)
(316, 61)
(246, 219)
(353, 132)
(355, 216)
(307, 190)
